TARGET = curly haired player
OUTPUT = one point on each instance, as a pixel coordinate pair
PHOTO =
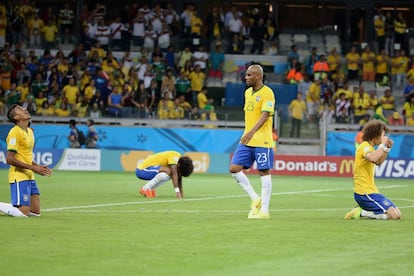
(371, 203)
(161, 167)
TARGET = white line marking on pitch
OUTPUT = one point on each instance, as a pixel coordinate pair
(193, 211)
(197, 199)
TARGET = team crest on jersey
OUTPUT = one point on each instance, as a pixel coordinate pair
(25, 197)
(257, 98)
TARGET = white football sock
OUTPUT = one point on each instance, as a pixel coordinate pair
(266, 192)
(370, 214)
(157, 181)
(244, 182)
(10, 210)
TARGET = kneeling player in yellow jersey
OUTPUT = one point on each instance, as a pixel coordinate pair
(161, 167)
(371, 203)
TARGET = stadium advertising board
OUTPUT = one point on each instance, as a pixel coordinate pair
(338, 166)
(41, 156)
(204, 162)
(80, 160)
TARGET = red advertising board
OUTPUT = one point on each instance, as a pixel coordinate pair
(312, 165)
(338, 166)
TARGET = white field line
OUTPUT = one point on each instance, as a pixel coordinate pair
(202, 199)
(193, 211)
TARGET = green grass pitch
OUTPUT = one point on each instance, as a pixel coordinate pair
(95, 223)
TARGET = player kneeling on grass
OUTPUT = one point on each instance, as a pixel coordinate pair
(161, 167)
(25, 195)
(371, 203)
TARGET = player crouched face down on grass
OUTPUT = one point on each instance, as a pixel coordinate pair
(371, 203)
(161, 167)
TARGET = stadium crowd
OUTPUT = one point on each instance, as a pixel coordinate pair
(362, 84)
(176, 54)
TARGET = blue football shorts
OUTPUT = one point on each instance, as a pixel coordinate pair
(245, 156)
(147, 173)
(377, 203)
(20, 192)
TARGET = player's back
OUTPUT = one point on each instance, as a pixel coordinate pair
(164, 158)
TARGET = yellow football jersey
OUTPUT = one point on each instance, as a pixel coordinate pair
(256, 102)
(164, 158)
(364, 182)
(21, 142)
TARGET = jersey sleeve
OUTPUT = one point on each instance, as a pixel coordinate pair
(268, 104)
(12, 140)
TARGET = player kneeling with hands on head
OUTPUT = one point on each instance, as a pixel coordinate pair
(371, 203)
(161, 167)
(25, 195)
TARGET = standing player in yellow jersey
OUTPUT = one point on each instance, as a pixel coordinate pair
(256, 142)
(25, 195)
(371, 203)
(161, 167)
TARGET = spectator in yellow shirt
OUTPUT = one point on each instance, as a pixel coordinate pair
(408, 109)
(35, 28)
(334, 60)
(297, 109)
(71, 92)
(388, 103)
(410, 121)
(196, 24)
(379, 25)
(352, 63)
(399, 66)
(382, 68)
(49, 35)
(177, 112)
(202, 98)
(360, 104)
(313, 101)
(24, 89)
(197, 78)
(164, 108)
(45, 109)
(63, 110)
(368, 64)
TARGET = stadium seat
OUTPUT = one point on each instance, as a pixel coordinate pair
(303, 55)
(300, 38)
(332, 39)
(369, 85)
(303, 45)
(285, 39)
(316, 38)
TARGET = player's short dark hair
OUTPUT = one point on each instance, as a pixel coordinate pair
(11, 113)
(185, 166)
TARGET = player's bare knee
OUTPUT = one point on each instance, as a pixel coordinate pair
(235, 168)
